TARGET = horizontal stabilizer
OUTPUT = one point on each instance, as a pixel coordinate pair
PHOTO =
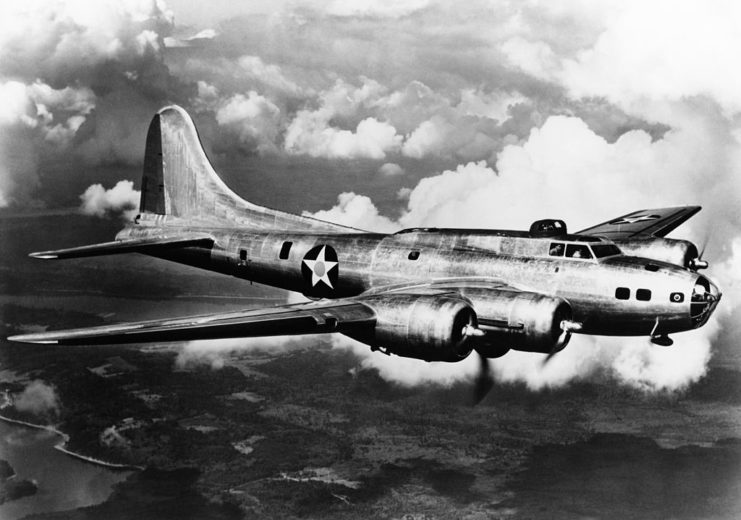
(307, 318)
(644, 223)
(133, 245)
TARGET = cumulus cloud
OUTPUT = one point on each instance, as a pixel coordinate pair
(65, 40)
(75, 78)
(390, 169)
(310, 134)
(122, 200)
(356, 211)
(668, 65)
(38, 398)
(254, 118)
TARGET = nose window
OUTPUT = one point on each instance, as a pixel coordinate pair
(704, 298)
(622, 293)
(643, 295)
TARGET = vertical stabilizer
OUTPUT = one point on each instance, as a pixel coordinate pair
(179, 181)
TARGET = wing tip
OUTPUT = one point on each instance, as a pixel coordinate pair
(32, 338)
(44, 255)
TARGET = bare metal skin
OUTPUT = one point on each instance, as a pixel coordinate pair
(432, 294)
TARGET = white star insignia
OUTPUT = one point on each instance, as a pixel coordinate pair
(320, 268)
(633, 220)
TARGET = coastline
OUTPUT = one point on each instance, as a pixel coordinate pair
(65, 438)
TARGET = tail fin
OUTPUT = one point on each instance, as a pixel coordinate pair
(179, 181)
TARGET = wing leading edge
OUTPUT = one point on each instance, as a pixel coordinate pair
(644, 223)
(306, 318)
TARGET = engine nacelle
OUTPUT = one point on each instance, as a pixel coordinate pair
(429, 327)
(677, 252)
(517, 320)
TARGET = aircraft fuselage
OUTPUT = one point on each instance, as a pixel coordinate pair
(611, 295)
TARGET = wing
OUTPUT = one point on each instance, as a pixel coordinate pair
(132, 245)
(306, 318)
(349, 315)
(644, 223)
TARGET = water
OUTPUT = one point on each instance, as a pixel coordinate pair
(63, 482)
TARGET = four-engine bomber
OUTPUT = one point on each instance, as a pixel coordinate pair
(427, 293)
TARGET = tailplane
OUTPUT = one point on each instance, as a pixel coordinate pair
(179, 182)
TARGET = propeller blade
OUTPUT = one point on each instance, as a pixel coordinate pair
(561, 343)
(567, 326)
(484, 381)
(698, 263)
(704, 245)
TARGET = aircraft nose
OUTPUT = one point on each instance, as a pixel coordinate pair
(705, 297)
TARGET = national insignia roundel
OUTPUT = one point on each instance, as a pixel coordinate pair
(320, 269)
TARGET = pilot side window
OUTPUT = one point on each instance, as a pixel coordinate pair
(643, 295)
(556, 249)
(622, 293)
(285, 250)
(578, 251)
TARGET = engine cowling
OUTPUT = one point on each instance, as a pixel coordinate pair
(677, 252)
(429, 327)
(518, 320)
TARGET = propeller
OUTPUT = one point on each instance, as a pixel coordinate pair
(484, 381)
(567, 328)
(698, 263)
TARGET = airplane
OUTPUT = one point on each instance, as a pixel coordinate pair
(426, 293)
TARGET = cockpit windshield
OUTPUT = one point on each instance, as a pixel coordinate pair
(603, 250)
(583, 251)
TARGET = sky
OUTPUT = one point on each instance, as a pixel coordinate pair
(391, 114)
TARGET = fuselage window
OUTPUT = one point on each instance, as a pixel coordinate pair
(643, 295)
(285, 250)
(578, 251)
(413, 255)
(556, 249)
(622, 293)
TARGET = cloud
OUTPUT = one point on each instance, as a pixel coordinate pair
(254, 119)
(668, 65)
(633, 362)
(640, 53)
(310, 134)
(390, 169)
(64, 41)
(35, 119)
(356, 211)
(122, 199)
(38, 398)
(76, 78)
(375, 8)
(214, 354)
